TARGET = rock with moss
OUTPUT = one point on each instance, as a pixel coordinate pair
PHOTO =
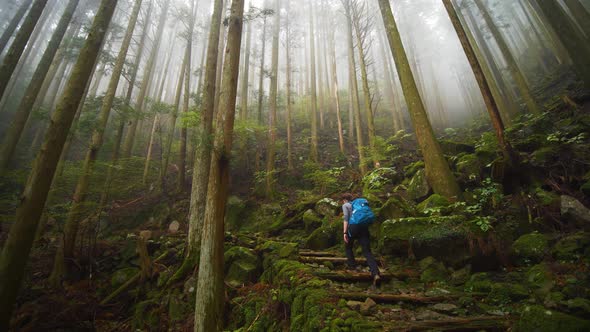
(435, 201)
(433, 270)
(572, 247)
(504, 293)
(323, 237)
(234, 215)
(529, 248)
(444, 242)
(539, 276)
(479, 283)
(539, 319)
(289, 250)
(411, 169)
(470, 168)
(547, 198)
(378, 179)
(419, 188)
(579, 306)
(585, 188)
(122, 276)
(575, 212)
(327, 207)
(311, 220)
(242, 266)
(455, 148)
(178, 308)
(396, 207)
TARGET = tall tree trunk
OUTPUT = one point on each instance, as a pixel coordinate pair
(210, 285)
(577, 47)
(246, 75)
(354, 90)
(484, 87)
(273, 101)
(18, 45)
(581, 14)
(389, 82)
(21, 116)
(187, 95)
(147, 77)
(438, 171)
(199, 193)
(290, 166)
(335, 90)
(261, 78)
(148, 157)
(314, 154)
(513, 68)
(30, 207)
(18, 16)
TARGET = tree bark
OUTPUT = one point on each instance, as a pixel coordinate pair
(18, 245)
(261, 78)
(314, 154)
(21, 116)
(273, 101)
(14, 24)
(438, 171)
(246, 75)
(210, 286)
(18, 45)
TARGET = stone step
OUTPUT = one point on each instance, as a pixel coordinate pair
(475, 323)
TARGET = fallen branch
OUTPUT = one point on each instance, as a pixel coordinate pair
(388, 298)
(129, 282)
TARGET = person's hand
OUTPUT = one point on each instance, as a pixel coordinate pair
(345, 238)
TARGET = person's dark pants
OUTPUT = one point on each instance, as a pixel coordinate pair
(360, 233)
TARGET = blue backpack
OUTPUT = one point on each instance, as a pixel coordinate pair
(361, 213)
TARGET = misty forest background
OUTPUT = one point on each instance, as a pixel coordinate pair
(178, 164)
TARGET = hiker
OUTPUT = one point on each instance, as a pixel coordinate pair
(356, 227)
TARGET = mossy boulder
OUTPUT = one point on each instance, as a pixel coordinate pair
(395, 234)
(479, 282)
(435, 201)
(470, 168)
(242, 266)
(412, 168)
(444, 242)
(378, 179)
(572, 247)
(323, 237)
(537, 318)
(419, 188)
(311, 220)
(454, 148)
(530, 248)
(539, 276)
(327, 207)
(234, 216)
(288, 250)
(547, 198)
(579, 306)
(585, 188)
(504, 293)
(396, 207)
(433, 270)
(574, 212)
(122, 276)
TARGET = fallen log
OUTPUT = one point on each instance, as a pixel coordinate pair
(363, 276)
(130, 282)
(478, 323)
(388, 298)
(311, 253)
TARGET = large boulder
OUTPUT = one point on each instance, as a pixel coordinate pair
(454, 148)
(504, 293)
(327, 207)
(537, 318)
(470, 168)
(396, 207)
(242, 266)
(575, 212)
(529, 248)
(433, 270)
(324, 237)
(435, 201)
(235, 213)
(572, 247)
(311, 221)
(378, 179)
(418, 188)
(443, 242)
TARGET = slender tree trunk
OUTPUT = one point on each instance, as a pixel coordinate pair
(484, 87)
(314, 98)
(581, 15)
(18, 45)
(210, 285)
(389, 86)
(273, 101)
(147, 77)
(187, 78)
(21, 116)
(14, 24)
(148, 157)
(515, 71)
(577, 47)
(246, 75)
(18, 245)
(261, 78)
(335, 90)
(290, 166)
(438, 171)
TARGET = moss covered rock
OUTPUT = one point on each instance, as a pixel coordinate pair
(572, 247)
(311, 220)
(122, 276)
(435, 201)
(234, 216)
(444, 242)
(504, 293)
(327, 207)
(575, 212)
(539, 276)
(470, 168)
(479, 282)
(323, 237)
(396, 207)
(530, 248)
(537, 318)
(395, 234)
(419, 188)
(379, 178)
(585, 188)
(242, 266)
(433, 270)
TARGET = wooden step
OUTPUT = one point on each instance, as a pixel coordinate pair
(393, 298)
(311, 253)
(332, 259)
(476, 323)
(363, 276)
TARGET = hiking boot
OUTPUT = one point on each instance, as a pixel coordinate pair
(377, 280)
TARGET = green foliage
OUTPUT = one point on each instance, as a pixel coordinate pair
(562, 138)
(190, 119)
(325, 180)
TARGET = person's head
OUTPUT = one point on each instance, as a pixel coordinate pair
(347, 197)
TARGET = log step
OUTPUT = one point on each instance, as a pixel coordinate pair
(393, 298)
(363, 276)
(312, 253)
(335, 260)
(477, 323)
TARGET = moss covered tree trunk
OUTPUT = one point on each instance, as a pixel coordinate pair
(438, 171)
(18, 45)
(210, 286)
(484, 87)
(30, 207)
(575, 43)
(23, 111)
(273, 102)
